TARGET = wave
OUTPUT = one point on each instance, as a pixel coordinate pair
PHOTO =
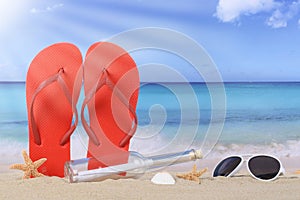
(175, 117)
(12, 123)
(10, 151)
(290, 148)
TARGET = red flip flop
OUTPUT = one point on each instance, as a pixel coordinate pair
(51, 105)
(111, 84)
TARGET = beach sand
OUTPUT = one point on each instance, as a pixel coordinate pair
(239, 187)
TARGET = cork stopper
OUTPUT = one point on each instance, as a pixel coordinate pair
(196, 154)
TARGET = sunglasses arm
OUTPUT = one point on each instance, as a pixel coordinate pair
(282, 171)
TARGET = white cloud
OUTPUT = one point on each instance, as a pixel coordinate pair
(231, 10)
(282, 15)
(277, 20)
(47, 9)
(280, 11)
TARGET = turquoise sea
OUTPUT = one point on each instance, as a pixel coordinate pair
(260, 118)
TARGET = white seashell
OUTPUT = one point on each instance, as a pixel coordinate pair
(163, 178)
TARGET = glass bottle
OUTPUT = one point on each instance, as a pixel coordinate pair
(137, 164)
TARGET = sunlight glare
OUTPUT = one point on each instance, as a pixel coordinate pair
(10, 12)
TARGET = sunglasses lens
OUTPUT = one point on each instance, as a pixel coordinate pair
(226, 166)
(264, 167)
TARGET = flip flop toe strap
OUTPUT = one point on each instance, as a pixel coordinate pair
(54, 78)
(105, 80)
(124, 100)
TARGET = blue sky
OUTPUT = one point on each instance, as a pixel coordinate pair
(249, 40)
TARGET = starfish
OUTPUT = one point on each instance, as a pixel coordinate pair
(194, 175)
(30, 167)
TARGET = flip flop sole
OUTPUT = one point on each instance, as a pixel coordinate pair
(51, 109)
(110, 119)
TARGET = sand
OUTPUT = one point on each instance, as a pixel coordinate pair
(239, 187)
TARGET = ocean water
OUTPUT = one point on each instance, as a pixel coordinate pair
(260, 118)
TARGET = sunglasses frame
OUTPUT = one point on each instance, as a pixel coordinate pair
(249, 157)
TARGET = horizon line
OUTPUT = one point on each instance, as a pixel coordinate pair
(174, 82)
